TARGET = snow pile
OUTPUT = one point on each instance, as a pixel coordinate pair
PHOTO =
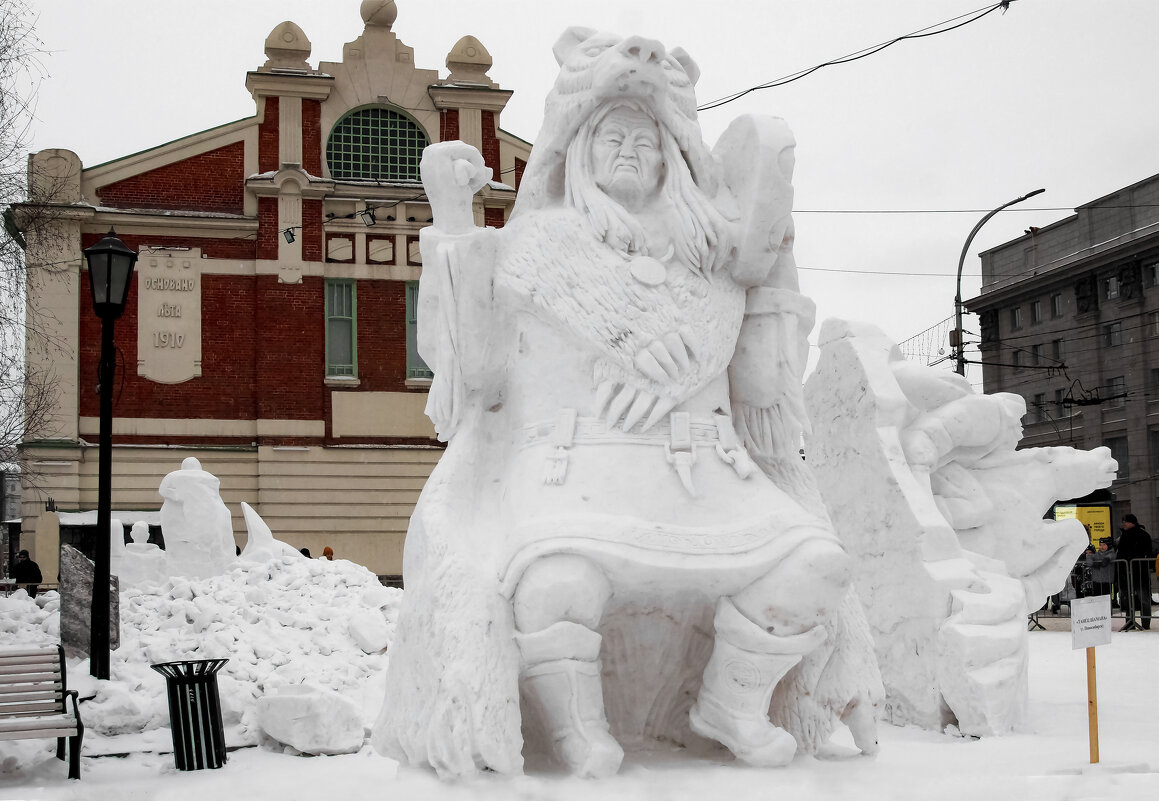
(282, 623)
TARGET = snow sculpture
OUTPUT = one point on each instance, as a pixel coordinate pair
(197, 525)
(260, 544)
(924, 484)
(621, 527)
(138, 562)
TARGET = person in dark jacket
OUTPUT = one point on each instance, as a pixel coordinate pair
(1134, 555)
(26, 573)
(1102, 566)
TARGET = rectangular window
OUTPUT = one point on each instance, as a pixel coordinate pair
(1016, 317)
(1058, 350)
(341, 328)
(1154, 385)
(1061, 408)
(1036, 311)
(1111, 287)
(1036, 355)
(1112, 335)
(1153, 324)
(1151, 273)
(1056, 305)
(1116, 392)
(1118, 446)
(1153, 441)
(1038, 413)
(415, 366)
(1016, 359)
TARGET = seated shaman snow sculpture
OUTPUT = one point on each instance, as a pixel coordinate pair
(618, 376)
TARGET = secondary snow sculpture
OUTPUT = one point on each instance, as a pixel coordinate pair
(618, 375)
(924, 483)
(196, 523)
(261, 545)
(138, 562)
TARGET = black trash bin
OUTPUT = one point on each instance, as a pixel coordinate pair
(195, 712)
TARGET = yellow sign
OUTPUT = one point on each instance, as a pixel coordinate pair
(1097, 519)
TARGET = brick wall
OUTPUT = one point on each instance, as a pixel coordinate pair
(268, 233)
(382, 336)
(311, 230)
(268, 141)
(312, 136)
(449, 125)
(209, 182)
(290, 359)
(520, 165)
(226, 387)
(491, 143)
(493, 217)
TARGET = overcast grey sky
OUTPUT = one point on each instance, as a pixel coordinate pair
(1055, 93)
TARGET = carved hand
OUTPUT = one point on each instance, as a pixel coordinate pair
(452, 173)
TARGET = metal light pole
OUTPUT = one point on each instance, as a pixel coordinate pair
(110, 265)
(960, 347)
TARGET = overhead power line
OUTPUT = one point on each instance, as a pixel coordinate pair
(930, 30)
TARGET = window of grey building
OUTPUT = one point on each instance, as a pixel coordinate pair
(1038, 413)
(1061, 409)
(1116, 392)
(1151, 273)
(1118, 446)
(1036, 355)
(1016, 317)
(1112, 335)
(1153, 443)
(1016, 359)
(1153, 324)
(1058, 350)
(1056, 305)
(1111, 287)
(1036, 311)
(1153, 386)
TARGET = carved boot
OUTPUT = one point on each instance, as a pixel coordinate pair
(561, 675)
(745, 666)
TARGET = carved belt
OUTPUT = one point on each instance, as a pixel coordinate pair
(680, 436)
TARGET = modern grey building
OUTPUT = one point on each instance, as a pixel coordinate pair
(1069, 317)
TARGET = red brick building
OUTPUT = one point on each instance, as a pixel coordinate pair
(271, 330)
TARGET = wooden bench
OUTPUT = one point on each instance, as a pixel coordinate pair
(33, 689)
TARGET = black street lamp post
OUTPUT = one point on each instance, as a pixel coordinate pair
(110, 265)
(958, 343)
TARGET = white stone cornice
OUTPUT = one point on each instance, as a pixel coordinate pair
(446, 96)
(312, 86)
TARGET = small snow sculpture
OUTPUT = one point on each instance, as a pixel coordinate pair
(260, 544)
(196, 524)
(923, 481)
(138, 562)
(312, 719)
(621, 527)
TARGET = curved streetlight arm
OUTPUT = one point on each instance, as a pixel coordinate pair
(960, 348)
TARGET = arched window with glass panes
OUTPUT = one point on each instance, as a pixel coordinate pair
(375, 143)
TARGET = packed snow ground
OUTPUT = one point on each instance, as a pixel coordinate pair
(292, 621)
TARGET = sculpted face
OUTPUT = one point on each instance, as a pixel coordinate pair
(626, 156)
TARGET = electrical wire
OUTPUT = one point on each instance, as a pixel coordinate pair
(921, 33)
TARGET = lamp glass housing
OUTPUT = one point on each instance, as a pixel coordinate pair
(110, 265)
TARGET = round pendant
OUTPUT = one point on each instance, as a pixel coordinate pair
(648, 271)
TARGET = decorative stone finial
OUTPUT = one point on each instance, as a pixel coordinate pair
(287, 48)
(378, 13)
(468, 62)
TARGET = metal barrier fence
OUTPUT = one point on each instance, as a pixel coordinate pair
(1132, 587)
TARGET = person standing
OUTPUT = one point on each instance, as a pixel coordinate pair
(26, 573)
(1102, 566)
(1135, 552)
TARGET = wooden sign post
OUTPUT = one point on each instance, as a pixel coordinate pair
(1090, 626)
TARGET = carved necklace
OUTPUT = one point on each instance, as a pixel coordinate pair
(649, 271)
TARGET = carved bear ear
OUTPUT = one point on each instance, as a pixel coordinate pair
(570, 41)
(685, 60)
